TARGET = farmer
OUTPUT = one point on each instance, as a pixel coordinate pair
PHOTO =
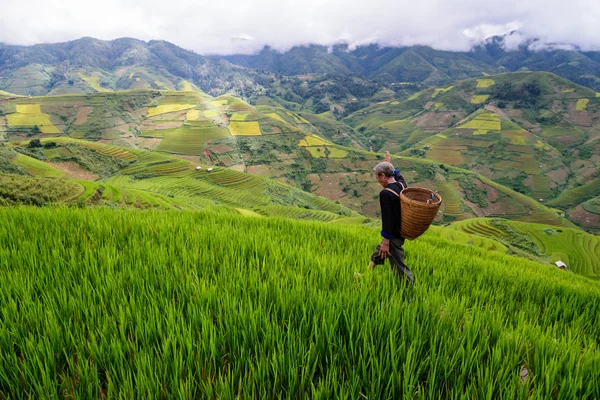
(389, 201)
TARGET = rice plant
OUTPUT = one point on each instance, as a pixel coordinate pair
(99, 303)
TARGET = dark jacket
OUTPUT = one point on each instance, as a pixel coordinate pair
(390, 209)
(399, 178)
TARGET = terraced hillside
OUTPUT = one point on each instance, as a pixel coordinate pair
(72, 171)
(579, 250)
(497, 148)
(534, 131)
(301, 149)
(267, 140)
(563, 113)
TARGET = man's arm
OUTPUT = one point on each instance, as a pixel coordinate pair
(386, 202)
(386, 217)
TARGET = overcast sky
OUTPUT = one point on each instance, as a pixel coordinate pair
(245, 26)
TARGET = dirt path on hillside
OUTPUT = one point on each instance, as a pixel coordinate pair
(74, 170)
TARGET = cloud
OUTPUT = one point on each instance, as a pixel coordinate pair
(225, 27)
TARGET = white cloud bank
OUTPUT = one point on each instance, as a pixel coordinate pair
(245, 26)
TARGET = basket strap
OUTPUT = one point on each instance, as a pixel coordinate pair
(390, 190)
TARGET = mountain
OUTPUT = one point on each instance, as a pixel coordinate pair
(418, 64)
(564, 60)
(90, 65)
(424, 65)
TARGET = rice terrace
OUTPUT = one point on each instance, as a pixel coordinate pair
(177, 225)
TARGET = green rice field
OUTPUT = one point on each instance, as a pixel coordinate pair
(190, 139)
(102, 303)
(578, 249)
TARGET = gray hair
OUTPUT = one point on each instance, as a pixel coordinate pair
(385, 168)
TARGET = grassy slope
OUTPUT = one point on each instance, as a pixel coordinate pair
(155, 180)
(201, 305)
(579, 250)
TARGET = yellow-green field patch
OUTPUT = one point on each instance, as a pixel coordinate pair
(415, 96)
(314, 140)
(582, 104)
(444, 155)
(518, 140)
(218, 103)
(28, 109)
(337, 153)
(316, 151)
(162, 85)
(248, 213)
(211, 113)
(440, 90)
(185, 86)
(395, 103)
(244, 128)
(238, 117)
(485, 83)
(29, 120)
(168, 108)
(478, 99)
(297, 119)
(323, 151)
(480, 132)
(484, 121)
(541, 145)
(190, 140)
(193, 115)
(38, 168)
(94, 82)
(568, 90)
(276, 117)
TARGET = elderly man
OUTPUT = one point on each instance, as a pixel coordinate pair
(392, 242)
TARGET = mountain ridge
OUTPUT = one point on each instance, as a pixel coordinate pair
(43, 67)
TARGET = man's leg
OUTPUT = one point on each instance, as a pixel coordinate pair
(375, 260)
(397, 260)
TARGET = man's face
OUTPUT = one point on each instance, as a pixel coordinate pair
(382, 179)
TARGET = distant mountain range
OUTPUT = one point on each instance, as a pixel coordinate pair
(89, 65)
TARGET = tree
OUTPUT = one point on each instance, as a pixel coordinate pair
(35, 143)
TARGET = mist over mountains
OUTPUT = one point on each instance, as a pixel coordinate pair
(55, 68)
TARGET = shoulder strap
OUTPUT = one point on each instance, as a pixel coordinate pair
(390, 190)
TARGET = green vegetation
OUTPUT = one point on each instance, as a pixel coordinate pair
(577, 195)
(245, 128)
(579, 250)
(189, 139)
(201, 305)
(168, 108)
(15, 190)
(36, 167)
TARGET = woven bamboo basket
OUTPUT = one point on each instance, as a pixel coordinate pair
(417, 215)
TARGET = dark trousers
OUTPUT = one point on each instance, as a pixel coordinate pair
(396, 259)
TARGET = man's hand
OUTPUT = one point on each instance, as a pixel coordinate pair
(384, 248)
(387, 157)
